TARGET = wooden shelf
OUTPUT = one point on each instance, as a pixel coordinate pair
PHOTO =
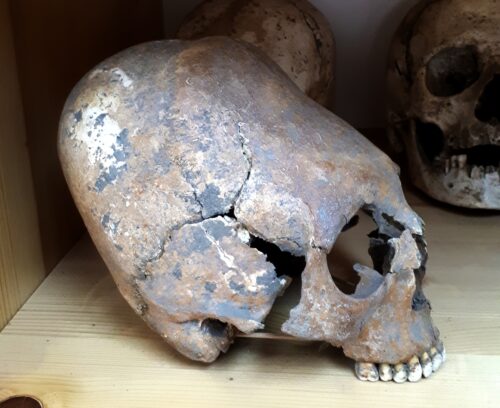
(76, 343)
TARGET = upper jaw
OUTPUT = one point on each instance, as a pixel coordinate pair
(467, 175)
(465, 186)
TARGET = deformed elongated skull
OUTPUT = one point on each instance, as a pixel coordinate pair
(183, 155)
(444, 99)
(293, 33)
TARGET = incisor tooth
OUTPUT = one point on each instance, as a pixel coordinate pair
(462, 161)
(385, 372)
(426, 363)
(366, 371)
(436, 358)
(475, 173)
(454, 161)
(442, 351)
(400, 373)
(414, 369)
(447, 166)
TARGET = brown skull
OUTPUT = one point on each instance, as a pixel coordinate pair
(182, 154)
(444, 99)
(292, 32)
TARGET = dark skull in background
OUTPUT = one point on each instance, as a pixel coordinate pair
(293, 33)
(444, 99)
(183, 156)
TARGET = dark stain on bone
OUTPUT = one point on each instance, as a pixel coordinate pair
(122, 139)
(109, 225)
(217, 229)
(238, 287)
(210, 200)
(210, 287)
(105, 220)
(121, 152)
(108, 177)
(77, 116)
(199, 242)
(161, 160)
(176, 272)
(120, 155)
(99, 121)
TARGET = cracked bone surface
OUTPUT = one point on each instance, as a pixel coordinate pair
(293, 33)
(184, 157)
(444, 99)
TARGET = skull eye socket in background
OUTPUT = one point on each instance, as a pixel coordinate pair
(452, 70)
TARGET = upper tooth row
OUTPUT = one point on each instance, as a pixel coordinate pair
(460, 162)
(412, 371)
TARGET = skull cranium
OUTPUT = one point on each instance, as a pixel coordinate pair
(444, 99)
(294, 34)
(181, 154)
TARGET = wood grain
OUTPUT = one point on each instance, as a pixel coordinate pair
(21, 266)
(77, 344)
(57, 42)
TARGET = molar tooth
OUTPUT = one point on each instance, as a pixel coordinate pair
(366, 371)
(437, 359)
(385, 372)
(490, 169)
(475, 173)
(400, 373)
(462, 161)
(426, 363)
(414, 369)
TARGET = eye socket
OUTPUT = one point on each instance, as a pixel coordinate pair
(452, 70)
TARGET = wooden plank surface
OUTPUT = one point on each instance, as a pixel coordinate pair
(77, 344)
(21, 265)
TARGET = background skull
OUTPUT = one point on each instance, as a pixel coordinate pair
(292, 32)
(444, 99)
(184, 157)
